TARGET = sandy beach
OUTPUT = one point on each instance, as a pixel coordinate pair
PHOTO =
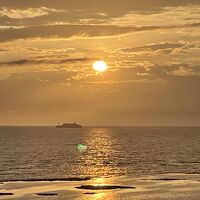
(166, 186)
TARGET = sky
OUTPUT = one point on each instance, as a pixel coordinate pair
(151, 47)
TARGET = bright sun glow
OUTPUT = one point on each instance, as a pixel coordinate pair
(100, 66)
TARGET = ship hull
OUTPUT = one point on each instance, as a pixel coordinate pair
(65, 125)
(68, 127)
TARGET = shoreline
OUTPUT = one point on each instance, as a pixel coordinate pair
(166, 186)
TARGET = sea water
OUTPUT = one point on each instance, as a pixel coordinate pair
(49, 152)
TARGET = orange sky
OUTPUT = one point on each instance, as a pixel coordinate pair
(47, 49)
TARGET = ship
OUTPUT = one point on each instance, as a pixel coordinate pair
(69, 125)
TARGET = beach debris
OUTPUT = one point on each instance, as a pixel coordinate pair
(89, 193)
(81, 148)
(47, 194)
(104, 187)
(6, 193)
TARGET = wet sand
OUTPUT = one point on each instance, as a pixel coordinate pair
(165, 187)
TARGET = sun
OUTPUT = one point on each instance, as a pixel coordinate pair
(100, 66)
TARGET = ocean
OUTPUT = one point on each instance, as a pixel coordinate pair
(49, 152)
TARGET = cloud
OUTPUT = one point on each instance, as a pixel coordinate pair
(167, 16)
(10, 27)
(158, 49)
(26, 13)
(46, 60)
(131, 13)
(111, 7)
(173, 71)
(184, 71)
(61, 31)
(139, 74)
(67, 31)
(151, 47)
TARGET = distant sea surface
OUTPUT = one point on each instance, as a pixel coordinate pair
(49, 152)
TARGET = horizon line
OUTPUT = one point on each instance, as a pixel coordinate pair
(85, 126)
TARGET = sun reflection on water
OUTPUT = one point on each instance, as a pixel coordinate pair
(101, 196)
(98, 160)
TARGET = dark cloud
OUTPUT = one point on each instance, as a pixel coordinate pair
(152, 47)
(113, 7)
(76, 10)
(46, 60)
(67, 31)
(61, 31)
